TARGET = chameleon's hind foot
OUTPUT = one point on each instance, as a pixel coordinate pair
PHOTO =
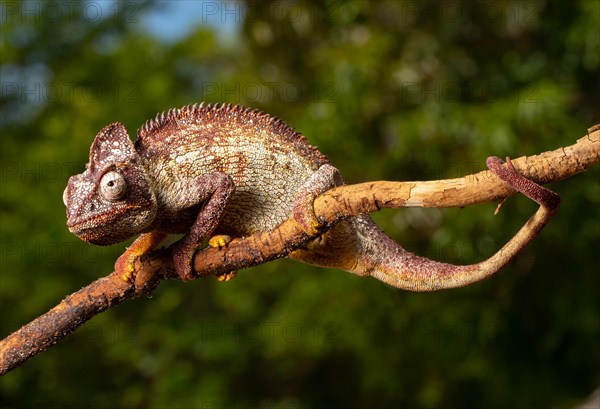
(325, 178)
(304, 215)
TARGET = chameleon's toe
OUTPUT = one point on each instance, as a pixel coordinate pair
(230, 275)
(183, 259)
(124, 266)
(219, 240)
(305, 216)
(303, 211)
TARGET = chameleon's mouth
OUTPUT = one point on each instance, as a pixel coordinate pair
(90, 230)
(110, 227)
(76, 224)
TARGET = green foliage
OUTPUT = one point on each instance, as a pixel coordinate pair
(393, 90)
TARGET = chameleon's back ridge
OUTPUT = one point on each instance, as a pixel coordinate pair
(207, 119)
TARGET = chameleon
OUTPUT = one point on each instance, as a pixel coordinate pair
(219, 171)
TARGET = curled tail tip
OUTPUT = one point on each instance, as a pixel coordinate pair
(493, 161)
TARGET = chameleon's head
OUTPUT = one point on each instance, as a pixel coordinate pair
(113, 199)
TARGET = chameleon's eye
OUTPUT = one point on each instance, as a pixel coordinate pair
(66, 196)
(113, 186)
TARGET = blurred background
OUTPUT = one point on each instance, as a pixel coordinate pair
(393, 90)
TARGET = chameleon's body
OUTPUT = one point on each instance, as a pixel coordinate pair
(230, 171)
(267, 161)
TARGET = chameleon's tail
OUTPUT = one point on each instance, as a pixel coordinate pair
(387, 261)
(359, 246)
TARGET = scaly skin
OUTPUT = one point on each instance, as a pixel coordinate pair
(226, 171)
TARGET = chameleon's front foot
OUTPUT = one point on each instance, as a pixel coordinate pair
(183, 257)
(125, 264)
(227, 276)
(220, 241)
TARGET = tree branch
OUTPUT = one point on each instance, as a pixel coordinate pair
(330, 207)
